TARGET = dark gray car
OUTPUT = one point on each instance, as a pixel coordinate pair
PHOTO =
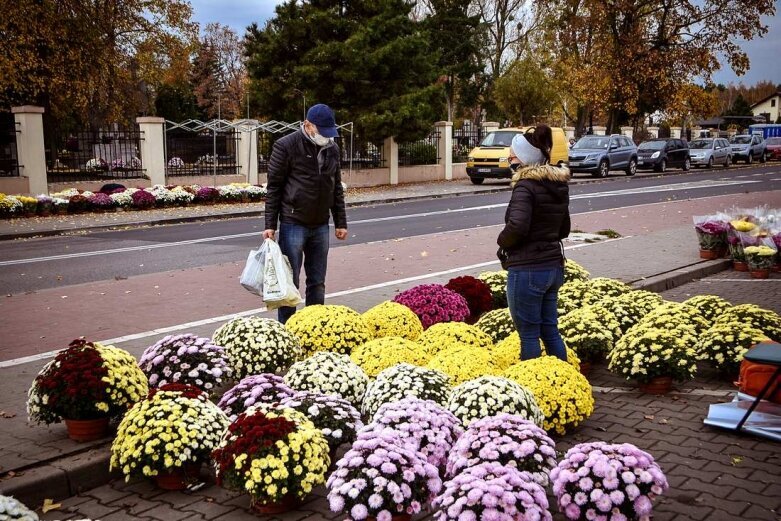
(662, 153)
(597, 155)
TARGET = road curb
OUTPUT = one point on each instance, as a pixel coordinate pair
(76, 473)
(258, 213)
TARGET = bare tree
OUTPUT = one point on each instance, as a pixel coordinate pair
(229, 54)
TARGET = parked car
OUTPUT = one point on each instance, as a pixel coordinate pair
(748, 148)
(773, 148)
(710, 151)
(662, 153)
(597, 155)
(490, 158)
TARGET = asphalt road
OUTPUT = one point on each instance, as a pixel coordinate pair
(33, 264)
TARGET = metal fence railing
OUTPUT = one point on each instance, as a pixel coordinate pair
(9, 164)
(203, 152)
(93, 155)
(464, 140)
(359, 154)
(421, 152)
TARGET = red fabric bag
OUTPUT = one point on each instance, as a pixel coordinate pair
(753, 378)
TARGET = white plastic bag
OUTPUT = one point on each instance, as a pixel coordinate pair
(278, 287)
(252, 276)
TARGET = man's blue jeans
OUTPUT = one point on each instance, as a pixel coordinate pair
(307, 246)
(532, 295)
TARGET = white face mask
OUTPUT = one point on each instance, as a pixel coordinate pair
(319, 140)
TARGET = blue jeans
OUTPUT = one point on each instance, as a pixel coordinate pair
(307, 246)
(532, 295)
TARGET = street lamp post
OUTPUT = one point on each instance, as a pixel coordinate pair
(303, 97)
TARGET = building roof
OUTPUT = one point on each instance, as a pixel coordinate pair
(721, 120)
(776, 93)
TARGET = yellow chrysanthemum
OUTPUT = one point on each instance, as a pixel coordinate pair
(329, 328)
(440, 337)
(463, 363)
(379, 354)
(393, 319)
(508, 353)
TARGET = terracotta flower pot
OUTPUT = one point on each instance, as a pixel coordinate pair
(585, 368)
(178, 478)
(87, 430)
(657, 385)
(739, 266)
(285, 504)
(760, 273)
(710, 254)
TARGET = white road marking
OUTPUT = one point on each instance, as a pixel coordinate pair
(628, 191)
(225, 318)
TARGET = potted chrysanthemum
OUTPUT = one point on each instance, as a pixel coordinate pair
(613, 481)
(476, 292)
(443, 336)
(497, 323)
(257, 345)
(724, 345)
(434, 303)
(464, 362)
(335, 417)
(381, 353)
(710, 306)
(491, 491)
(422, 425)
(392, 319)
(277, 455)
(760, 259)
(508, 353)
(328, 328)
(766, 320)
(508, 439)
(168, 436)
(86, 385)
(255, 390)
(380, 478)
(491, 395)
(497, 283)
(331, 374)
(404, 380)
(185, 359)
(574, 271)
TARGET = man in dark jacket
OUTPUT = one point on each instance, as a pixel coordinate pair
(304, 186)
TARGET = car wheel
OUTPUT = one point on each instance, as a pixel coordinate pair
(710, 162)
(750, 158)
(477, 180)
(763, 157)
(604, 169)
(632, 168)
(727, 162)
(687, 165)
(662, 166)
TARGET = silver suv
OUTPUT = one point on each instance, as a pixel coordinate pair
(598, 155)
(748, 148)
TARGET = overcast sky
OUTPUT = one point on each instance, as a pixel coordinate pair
(763, 53)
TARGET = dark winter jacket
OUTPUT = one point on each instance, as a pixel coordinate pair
(537, 218)
(304, 183)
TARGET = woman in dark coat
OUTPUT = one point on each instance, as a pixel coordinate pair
(536, 221)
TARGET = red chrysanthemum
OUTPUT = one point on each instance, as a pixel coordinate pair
(475, 291)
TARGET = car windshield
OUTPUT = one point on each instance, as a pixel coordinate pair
(498, 139)
(652, 145)
(774, 141)
(701, 143)
(740, 140)
(592, 142)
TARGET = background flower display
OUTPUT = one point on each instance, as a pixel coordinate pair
(29, 205)
(507, 439)
(463, 363)
(490, 396)
(574, 271)
(497, 323)
(338, 420)
(122, 199)
(767, 321)
(645, 353)
(176, 426)
(646, 300)
(685, 319)
(257, 345)
(508, 353)
(497, 283)
(273, 455)
(86, 381)
(11, 508)
(422, 425)
(712, 232)
(760, 257)
(142, 200)
(584, 332)
(476, 292)
(176, 162)
(443, 336)
(45, 205)
(381, 353)
(78, 204)
(709, 306)
(330, 374)
(562, 393)
(393, 319)
(434, 303)
(328, 328)
(491, 491)
(573, 295)
(186, 359)
(259, 389)
(616, 481)
(400, 381)
(207, 194)
(379, 478)
(725, 344)
(101, 202)
(624, 309)
(96, 164)
(9, 206)
(600, 287)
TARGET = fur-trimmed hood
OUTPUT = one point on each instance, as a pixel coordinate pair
(557, 174)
